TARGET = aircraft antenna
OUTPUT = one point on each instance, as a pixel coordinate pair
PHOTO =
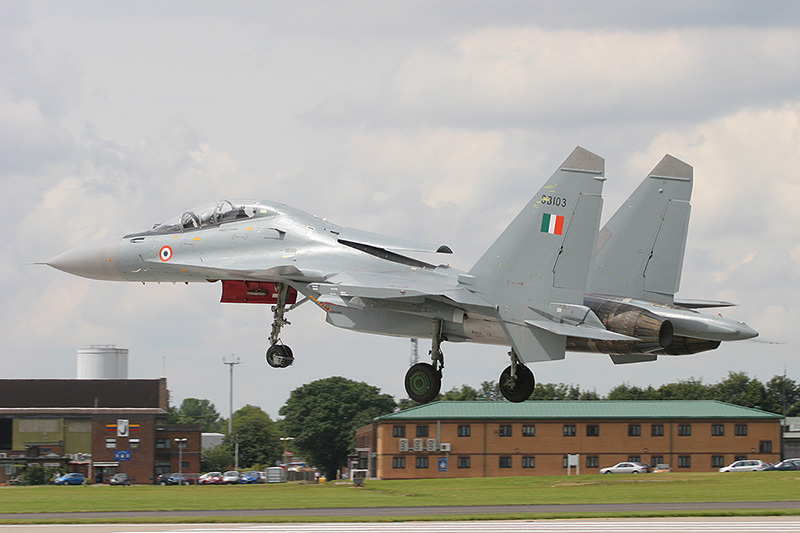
(414, 352)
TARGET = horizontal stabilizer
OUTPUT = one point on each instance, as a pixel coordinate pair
(580, 331)
(632, 358)
(702, 304)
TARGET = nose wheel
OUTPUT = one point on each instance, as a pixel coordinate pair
(278, 354)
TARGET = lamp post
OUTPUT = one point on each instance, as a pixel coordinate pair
(181, 445)
(284, 440)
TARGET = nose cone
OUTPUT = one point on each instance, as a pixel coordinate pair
(94, 260)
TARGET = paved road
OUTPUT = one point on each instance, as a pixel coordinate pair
(419, 511)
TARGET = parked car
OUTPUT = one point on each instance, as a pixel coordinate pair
(70, 479)
(210, 478)
(786, 464)
(231, 477)
(661, 469)
(182, 479)
(627, 467)
(745, 465)
(251, 477)
(121, 478)
(162, 479)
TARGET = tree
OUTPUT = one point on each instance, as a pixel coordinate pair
(782, 396)
(740, 389)
(465, 393)
(257, 435)
(689, 389)
(216, 459)
(323, 415)
(196, 411)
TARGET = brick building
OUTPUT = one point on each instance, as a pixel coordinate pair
(97, 427)
(488, 439)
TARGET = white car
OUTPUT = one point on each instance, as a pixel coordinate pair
(627, 467)
(745, 465)
(231, 477)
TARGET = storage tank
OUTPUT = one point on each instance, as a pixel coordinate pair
(103, 362)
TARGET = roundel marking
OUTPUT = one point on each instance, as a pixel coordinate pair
(165, 254)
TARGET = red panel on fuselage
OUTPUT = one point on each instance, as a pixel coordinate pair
(253, 292)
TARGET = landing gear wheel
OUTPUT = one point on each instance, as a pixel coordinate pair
(423, 382)
(279, 356)
(518, 388)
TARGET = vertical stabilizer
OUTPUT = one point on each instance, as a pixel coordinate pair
(542, 258)
(641, 248)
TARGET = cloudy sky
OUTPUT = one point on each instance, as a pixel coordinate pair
(429, 120)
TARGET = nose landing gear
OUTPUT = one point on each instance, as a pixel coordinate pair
(278, 354)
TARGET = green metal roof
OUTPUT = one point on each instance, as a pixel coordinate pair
(567, 409)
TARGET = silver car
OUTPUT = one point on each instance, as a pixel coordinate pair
(628, 467)
(231, 477)
(745, 465)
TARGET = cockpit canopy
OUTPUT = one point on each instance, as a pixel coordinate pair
(214, 214)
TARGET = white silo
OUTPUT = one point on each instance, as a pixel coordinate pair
(103, 362)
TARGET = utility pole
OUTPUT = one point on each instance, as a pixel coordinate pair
(235, 361)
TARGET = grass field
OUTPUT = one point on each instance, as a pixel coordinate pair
(674, 487)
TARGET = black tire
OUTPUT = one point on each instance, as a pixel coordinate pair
(423, 382)
(519, 389)
(278, 355)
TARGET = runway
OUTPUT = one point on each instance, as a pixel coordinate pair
(726, 524)
(566, 509)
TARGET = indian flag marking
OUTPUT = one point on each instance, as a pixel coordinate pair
(553, 224)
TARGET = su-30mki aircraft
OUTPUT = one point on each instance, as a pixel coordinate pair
(550, 283)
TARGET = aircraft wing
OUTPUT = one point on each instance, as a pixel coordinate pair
(376, 240)
(352, 288)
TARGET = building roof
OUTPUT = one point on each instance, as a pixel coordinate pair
(95, 393)
(579, 409)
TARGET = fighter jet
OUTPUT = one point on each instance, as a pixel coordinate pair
(528, 291)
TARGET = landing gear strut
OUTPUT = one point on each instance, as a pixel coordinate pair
(278, 354)
(424, 380)
(516, 381)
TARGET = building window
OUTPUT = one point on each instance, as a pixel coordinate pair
(463, 461)
(464, 431)
(111, 443)
(569, 430)
(505, 431)
(717, 430)
(634, 458)
(162, 444)
(765, 446)
(133, 443)
(684, 430)
(684, 461)
(593, 430)
(528, 462)
(657, 430)
(717, 461)
(529, 431)
(422, 431)
(422, 462)
(505, 462)
(740, 458)
(593, 462)
(656, 460)
(740, 430)
(398, 462)
(399, 431)
(634, 430)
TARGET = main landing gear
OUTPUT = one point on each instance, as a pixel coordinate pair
(278, 354)
(516, 381)
(424, 380)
